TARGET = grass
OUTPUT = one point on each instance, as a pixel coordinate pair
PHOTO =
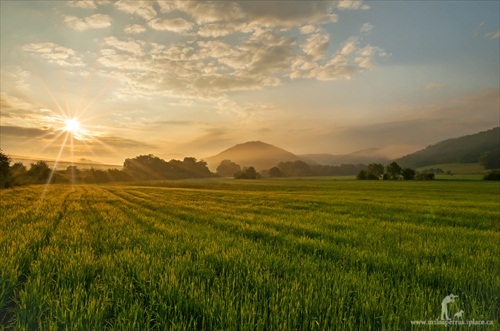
(284, 254)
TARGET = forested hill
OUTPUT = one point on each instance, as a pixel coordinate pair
(465, 149)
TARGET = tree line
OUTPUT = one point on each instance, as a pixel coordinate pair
(150, 167)
(143, 167)
(392, 171)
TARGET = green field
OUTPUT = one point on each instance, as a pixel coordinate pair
(284, 254)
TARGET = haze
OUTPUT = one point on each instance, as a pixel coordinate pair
(193, 78)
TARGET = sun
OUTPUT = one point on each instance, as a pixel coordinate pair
(72, 125)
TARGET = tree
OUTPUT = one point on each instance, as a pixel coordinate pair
(375, 170)
(39, 171)
(227, 168)
(408, 173)
(5, 172)
(393, 171)
(247, 173)
(295, 169)
(275, 172)
(366, 175)
(146, 167)
(492, 175)
(491, 159)
(425, 176)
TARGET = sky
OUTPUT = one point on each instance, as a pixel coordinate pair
(109, 80)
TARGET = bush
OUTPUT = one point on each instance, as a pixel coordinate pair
(425, 176)
(366, 175)
(247, 173)
(492, 175)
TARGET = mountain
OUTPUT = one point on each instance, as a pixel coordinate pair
(253, 153)
(465, 149)
(365, 156)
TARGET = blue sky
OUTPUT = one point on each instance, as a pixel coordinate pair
(193, 78)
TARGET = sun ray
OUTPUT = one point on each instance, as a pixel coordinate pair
(54, 167)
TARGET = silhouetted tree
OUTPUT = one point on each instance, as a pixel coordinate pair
(425, 176)
(375, 170)
(295, 169)
(491, 159)
(275, 172)
(408, 173)
(247, 173)
(39, 172)
(146, 167)
(393, 171)
(492, 175)
(227, 168)
(5, 171)
(366, 175)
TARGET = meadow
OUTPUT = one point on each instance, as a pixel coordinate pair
(270, 254)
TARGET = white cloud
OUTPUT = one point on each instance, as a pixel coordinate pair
(262, 53)
(130, 46)
(54, 53)
(143, 9)
(364, 62)
(352, 5)
(134, 29)
(214, 30)
(308, 29)
(178, 25)
(316, 45)
(81, 4)
(96, 21)
(349, 46)
(210, 12)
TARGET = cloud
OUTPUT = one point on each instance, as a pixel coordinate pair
(96, 21)
(178, 24)
(274, 13)
(25, 132)
(209, 12)
(316, 45)
(143, 9)
(308, 29)
(264, 53)
(493, 34)
(134, 29)
(366, 28)
(352, 5)
(54, 53)
(130, 46)
(82, 4)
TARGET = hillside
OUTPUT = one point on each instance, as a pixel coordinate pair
(465, 149)
(364, 156)
(253, 153)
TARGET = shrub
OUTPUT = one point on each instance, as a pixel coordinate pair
(492, 175)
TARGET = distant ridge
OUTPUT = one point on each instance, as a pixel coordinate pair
(257, 154)
(465, 149)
